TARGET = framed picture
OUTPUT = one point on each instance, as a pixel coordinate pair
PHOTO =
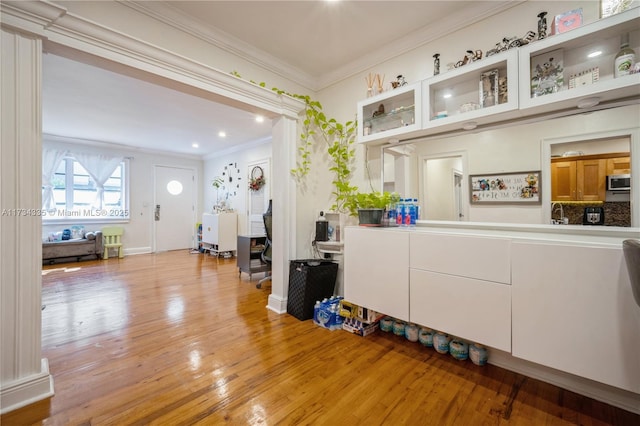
(584, 78)
(547, 73)
(489, 88)
(505, 188)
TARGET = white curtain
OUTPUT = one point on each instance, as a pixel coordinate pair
(100, 168)
(51, 159)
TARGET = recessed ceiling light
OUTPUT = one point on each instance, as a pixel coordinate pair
(470, 125)
(447, 95)
(588, 102)
(259, 119)
(594, 54)
(194, 145)
(222, 134)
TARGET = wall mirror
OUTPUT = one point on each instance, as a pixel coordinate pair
(578, 176)
(436, 170)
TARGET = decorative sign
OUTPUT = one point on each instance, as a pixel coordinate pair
(506, 188)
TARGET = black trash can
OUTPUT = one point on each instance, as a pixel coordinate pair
(309, 280)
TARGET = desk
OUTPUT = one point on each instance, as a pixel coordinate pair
(249, 254)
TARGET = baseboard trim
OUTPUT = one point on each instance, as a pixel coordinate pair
(608, 394)
(27, 390)
(137, 250)
(277, 304)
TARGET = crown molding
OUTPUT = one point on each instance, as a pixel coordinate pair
(169, 15)
(63, 30)
(464, 17)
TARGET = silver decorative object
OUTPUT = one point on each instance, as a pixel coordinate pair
(542, 25)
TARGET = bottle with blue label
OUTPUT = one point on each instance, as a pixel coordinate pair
(409, 211)
(400, 212)
(415, 212)
(412, 213)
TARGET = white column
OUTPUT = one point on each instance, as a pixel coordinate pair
(24, 375)
(284, 134)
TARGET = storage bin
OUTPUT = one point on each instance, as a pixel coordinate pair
(310, 280)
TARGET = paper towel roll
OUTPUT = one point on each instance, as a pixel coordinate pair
(459, 349)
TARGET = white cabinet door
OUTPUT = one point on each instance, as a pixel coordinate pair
(376, 270)
(573, 310)
(483, 258)
(220, 230)
(472, 309)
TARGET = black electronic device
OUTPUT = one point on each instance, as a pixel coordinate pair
(322, 228)
(593, 216)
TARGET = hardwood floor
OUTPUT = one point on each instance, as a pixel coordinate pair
(178, 339)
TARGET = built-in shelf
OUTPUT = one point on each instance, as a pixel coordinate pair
(474, 85)
(573, 49)
(395, 112)
(421, 109)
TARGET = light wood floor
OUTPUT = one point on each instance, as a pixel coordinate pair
(179, 339)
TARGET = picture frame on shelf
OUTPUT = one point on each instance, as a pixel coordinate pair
(505, 188)
(584, 78)
(547, 73)
(489, 88)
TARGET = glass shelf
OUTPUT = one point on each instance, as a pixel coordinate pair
(395, 113)
(572, 51)
(399, 117)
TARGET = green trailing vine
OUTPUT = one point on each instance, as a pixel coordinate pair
(339, 139)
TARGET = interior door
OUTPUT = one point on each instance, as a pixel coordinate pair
(457, 195)
(174, 208)
(258, 201)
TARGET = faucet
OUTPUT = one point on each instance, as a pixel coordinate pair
(562, 220)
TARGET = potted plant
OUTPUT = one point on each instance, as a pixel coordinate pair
(370, 206)
(339, 139)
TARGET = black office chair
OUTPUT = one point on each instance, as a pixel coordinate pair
(266, 253)
(631, 249)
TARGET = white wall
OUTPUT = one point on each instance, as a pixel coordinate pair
(187, 42)
(439, 183)
(138, 231)
(340, 100)
(214, 166)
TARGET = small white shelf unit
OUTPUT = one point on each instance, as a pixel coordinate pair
(412, 111)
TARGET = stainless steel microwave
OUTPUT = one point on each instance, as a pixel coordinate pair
(619, 182)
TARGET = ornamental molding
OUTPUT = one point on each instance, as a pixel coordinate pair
(62, 31)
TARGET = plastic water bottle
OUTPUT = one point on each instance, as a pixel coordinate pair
(413, 212)
(409, 212)
(316, 309)
(400, 212)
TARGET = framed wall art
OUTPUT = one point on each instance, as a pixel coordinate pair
(505, 188)
(489, 88)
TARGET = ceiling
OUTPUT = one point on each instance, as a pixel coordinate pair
(314, 43)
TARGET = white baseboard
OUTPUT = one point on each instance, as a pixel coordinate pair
(27, 390)
(137, 250)
(277, 304)
(608, 394)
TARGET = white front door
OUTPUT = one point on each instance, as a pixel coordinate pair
(258, 201)
(174, 208)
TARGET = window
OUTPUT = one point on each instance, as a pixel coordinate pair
(78, 196)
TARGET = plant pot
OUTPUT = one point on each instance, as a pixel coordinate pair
(370, 217)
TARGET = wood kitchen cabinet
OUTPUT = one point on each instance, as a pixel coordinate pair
(578, 180)
(619, 165)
